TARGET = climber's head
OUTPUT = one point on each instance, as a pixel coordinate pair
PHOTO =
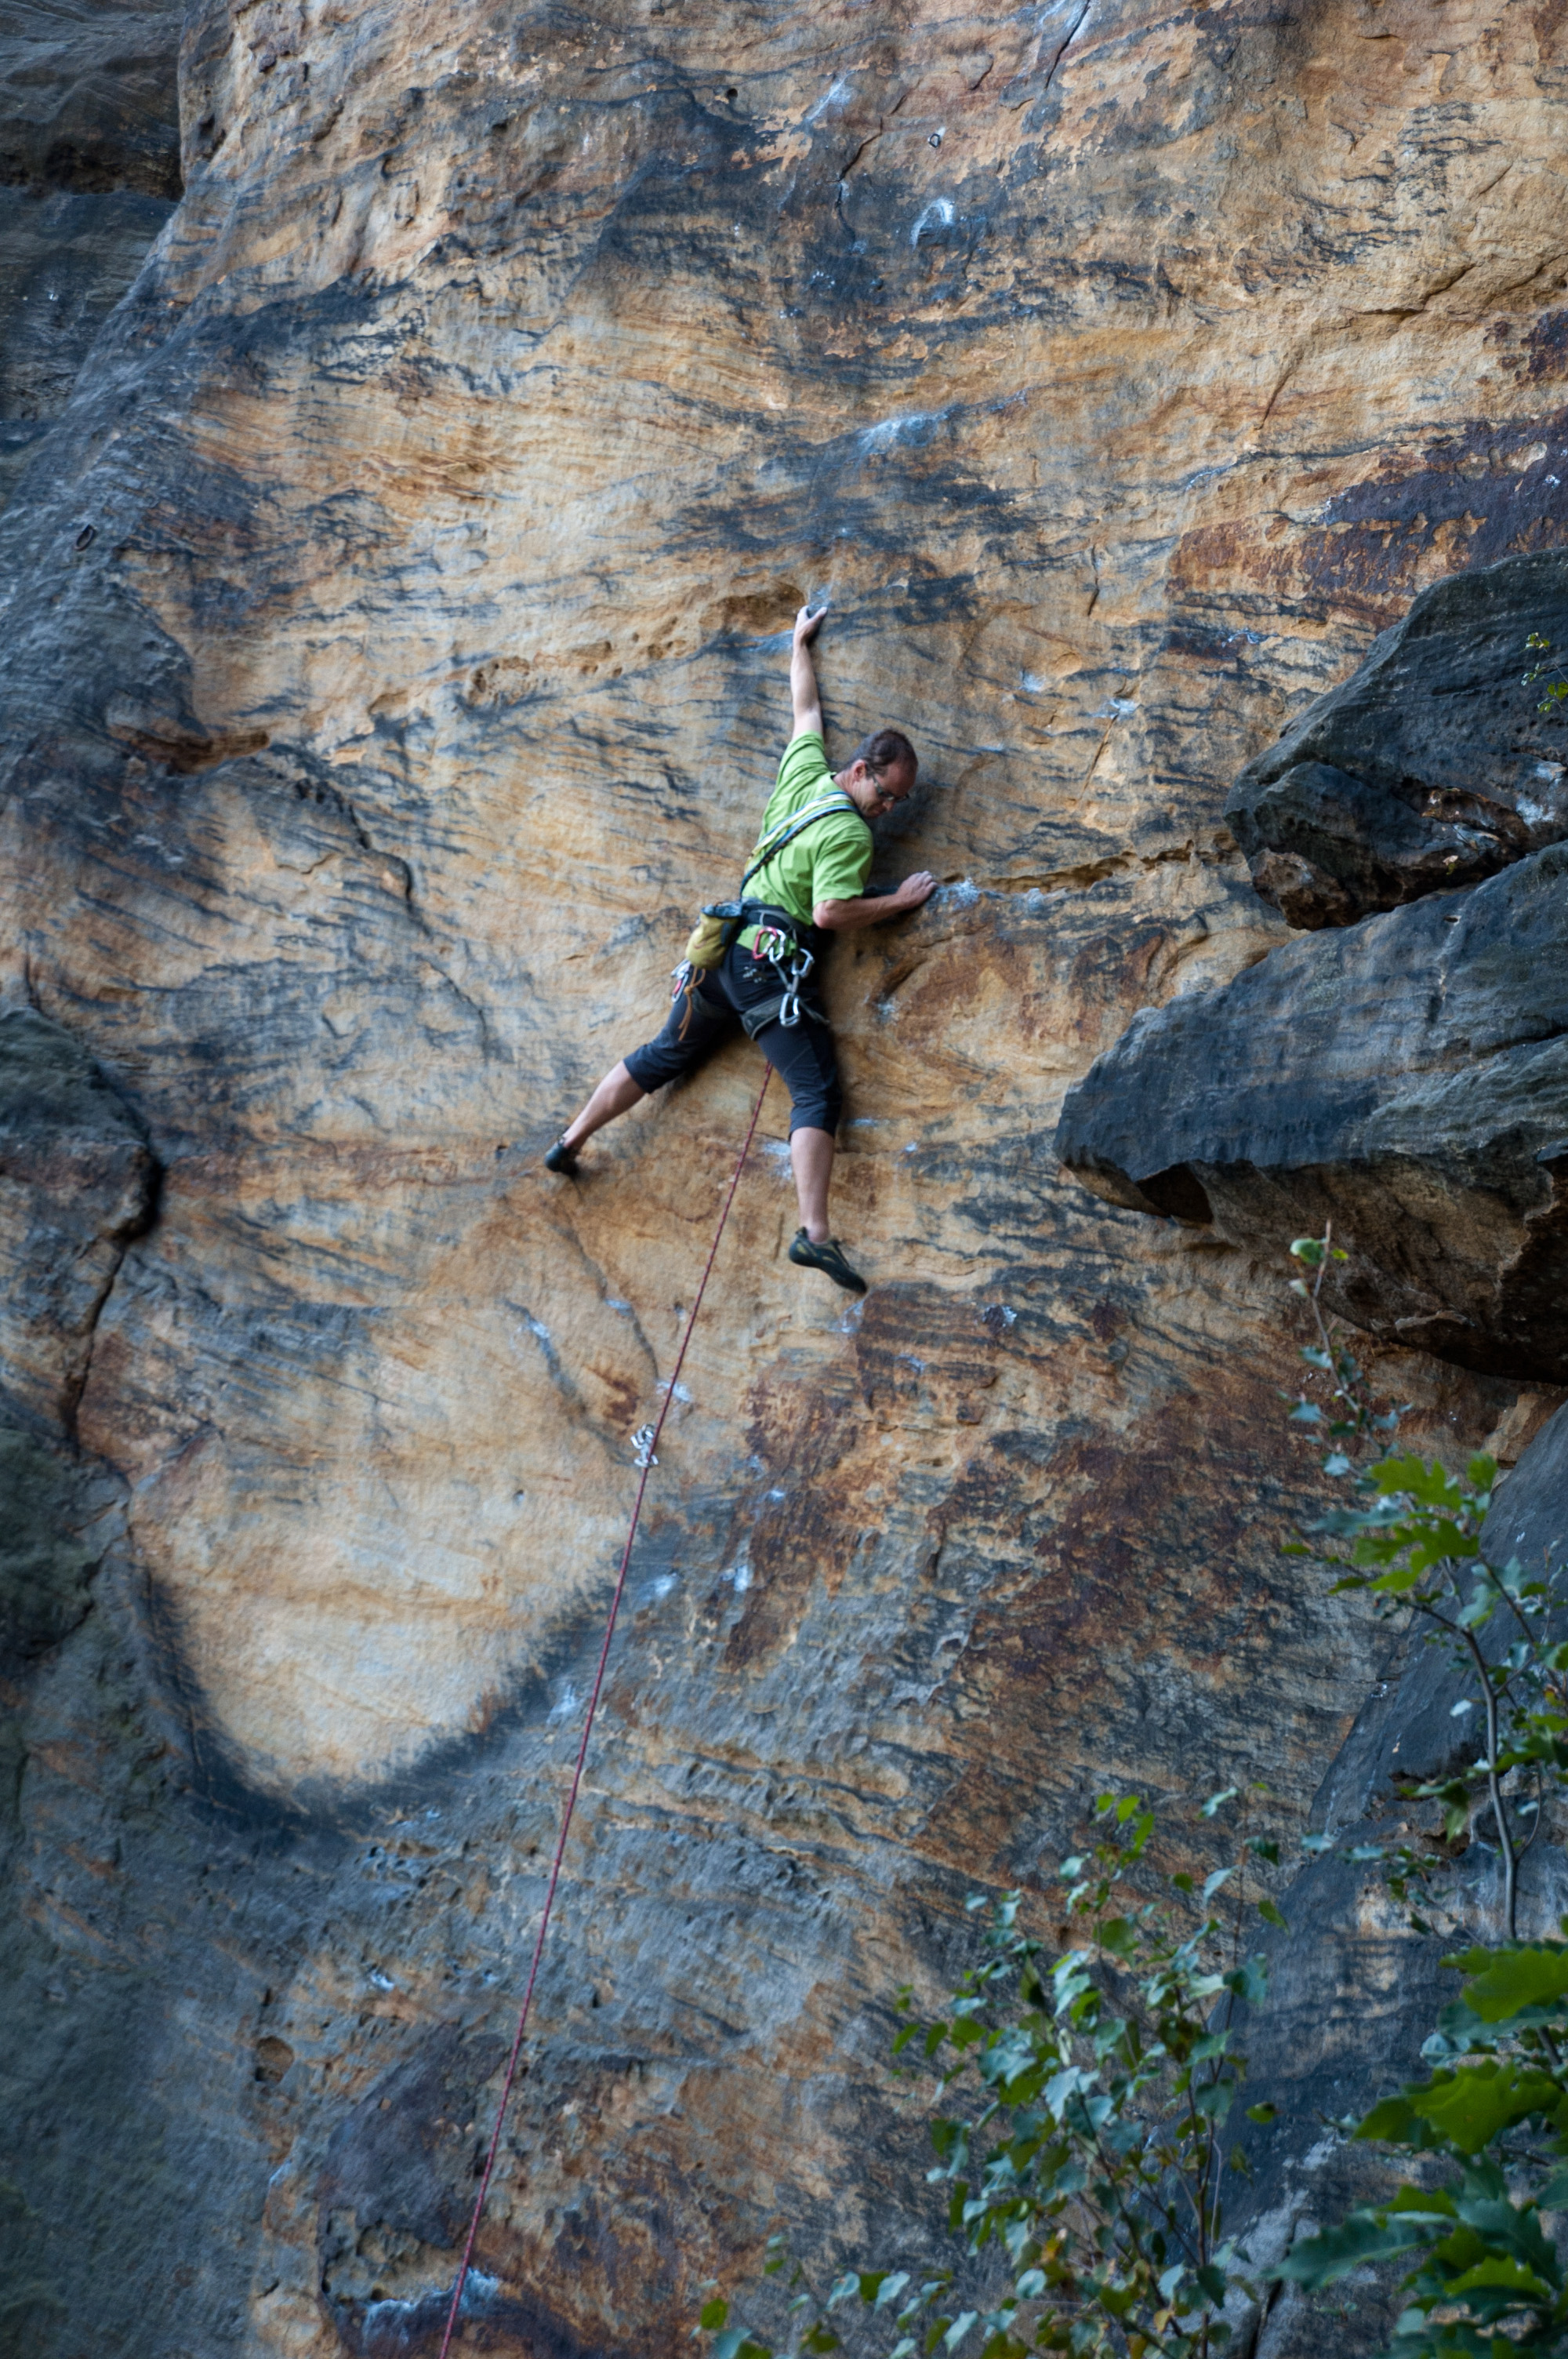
(881, 772)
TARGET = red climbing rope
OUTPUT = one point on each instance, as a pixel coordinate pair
(646, 1462)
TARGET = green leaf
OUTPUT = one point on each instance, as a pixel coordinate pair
(1395, 1584)
(1472, 2102)
(1502, 1983)
(1212, 2281)
(1423, 2202)
(713, 2315)
(1419, 1479)
(1363, 2236)
(1393, 2122)
(1500, 2271)
(1271, 1915)
(1249, 1982)
(1262, 2112)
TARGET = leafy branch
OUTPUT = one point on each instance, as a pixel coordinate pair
(1488, 2281)
(1090, 2158)
(1556, 695)
(1412, 1542)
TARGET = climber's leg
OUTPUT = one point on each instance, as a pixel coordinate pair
(805, 1056)
(811, 1155)
(615, 1094)
(695, 1025)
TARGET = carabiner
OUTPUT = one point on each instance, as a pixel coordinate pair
(789, 1014)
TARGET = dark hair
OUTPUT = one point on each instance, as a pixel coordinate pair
(881, 749)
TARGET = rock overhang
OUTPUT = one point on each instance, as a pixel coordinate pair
(1405, 1078)
(1437, 763)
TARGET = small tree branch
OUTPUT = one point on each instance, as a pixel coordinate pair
(1494, 1786)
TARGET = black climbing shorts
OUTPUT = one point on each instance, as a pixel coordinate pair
(704, 1020)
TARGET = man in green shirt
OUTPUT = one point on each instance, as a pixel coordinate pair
(805, 886)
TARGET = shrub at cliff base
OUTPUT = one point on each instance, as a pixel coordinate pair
(1089, 2166)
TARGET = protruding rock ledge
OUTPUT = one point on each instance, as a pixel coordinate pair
(1407, 1079)
(1430, 767)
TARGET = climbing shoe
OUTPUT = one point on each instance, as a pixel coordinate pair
(562, 1158)
(829, 1257)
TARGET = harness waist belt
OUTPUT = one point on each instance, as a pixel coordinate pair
(765, 913)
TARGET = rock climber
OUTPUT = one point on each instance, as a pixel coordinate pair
(808, 873)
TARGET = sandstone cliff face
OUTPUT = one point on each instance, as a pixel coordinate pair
(392, 660)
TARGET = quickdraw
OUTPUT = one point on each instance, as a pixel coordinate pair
(792, 978)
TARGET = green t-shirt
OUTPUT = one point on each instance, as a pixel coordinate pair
(829, 861)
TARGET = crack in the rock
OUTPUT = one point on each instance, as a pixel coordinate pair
(139, 1226)
(1068, 37)
(1084, 874)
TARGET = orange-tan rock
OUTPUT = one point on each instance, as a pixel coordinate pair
(391, 663)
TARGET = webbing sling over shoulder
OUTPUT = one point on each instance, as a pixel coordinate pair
(721, 921)
(796, 824)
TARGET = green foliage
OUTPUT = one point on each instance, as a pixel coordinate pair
(1556, 694)
(1494, 2106)
(1410, 1540)
(1488, 2281)
(1087, 2157)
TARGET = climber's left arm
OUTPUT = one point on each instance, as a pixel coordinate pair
(803, 695)
(870, 908)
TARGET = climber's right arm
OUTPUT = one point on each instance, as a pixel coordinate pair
(803, 695)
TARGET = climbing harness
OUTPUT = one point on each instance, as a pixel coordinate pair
(721, 921)
(646, 1442)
